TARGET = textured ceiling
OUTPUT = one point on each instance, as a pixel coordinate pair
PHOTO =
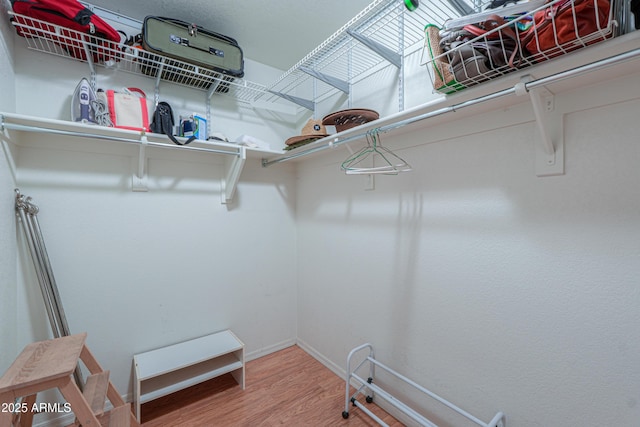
(273, 32)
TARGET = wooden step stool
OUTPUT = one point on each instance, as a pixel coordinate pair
(50, 364)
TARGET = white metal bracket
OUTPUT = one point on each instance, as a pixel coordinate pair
(232, 175)
(210, 92)
(305, 103)
(339, 84)
(139, 176)
(92, 68)
(549, 135)
(392, 57)
(156, 87)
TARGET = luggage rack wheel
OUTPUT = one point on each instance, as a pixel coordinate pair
(345, 414)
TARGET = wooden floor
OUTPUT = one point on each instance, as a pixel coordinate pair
(286, 388)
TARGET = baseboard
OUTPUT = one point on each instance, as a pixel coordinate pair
(269, 349)
(64, 420)
(338, 370)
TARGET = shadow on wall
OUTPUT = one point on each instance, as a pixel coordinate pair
(95, 166)
(406, 263)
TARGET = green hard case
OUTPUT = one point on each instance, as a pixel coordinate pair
(192, 44)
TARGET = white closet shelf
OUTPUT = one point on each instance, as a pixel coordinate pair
(609, 59)
(21, 122)
(237, 153)
(382, 34)
(56, 40)
(384, 28)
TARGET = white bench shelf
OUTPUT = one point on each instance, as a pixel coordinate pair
(169, 369)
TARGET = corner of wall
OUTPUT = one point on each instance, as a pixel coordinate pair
(8, 264)
(8, 250)
(6, 33)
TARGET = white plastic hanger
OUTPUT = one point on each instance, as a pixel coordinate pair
(393, 164)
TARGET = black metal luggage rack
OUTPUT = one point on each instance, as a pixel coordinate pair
(480, 47)
(53, 39)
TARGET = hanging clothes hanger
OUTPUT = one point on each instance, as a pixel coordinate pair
(392, 164)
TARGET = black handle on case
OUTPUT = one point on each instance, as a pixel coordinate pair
(169, 133)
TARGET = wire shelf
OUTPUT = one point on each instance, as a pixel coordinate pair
(56, 40)
(460, 57)
(386, 23)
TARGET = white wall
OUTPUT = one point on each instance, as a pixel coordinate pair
(8, 275)
(140, 270)
(494, 288)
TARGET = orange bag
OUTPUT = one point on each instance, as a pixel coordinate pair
(566, 26)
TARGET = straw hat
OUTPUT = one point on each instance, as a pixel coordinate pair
(314, 129)
(347, 119)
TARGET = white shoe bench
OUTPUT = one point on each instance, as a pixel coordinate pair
(168, 369)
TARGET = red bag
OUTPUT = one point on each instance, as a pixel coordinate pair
(566, 26)
(72, 15)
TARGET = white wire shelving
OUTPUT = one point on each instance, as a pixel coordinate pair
(618, 56)
(461, 69)
(384, 33)
(59, 41)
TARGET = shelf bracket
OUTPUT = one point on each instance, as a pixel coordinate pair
(549, 135)
(92, 67)
(305, 103)
(232, 175)
(156, 88)
(461, 7)
(388, 54)
(330, 80)
(139, 176)
(214, 87)
(210, 92)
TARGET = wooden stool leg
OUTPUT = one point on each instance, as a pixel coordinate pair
(26, 418)
(6, 417)
(79, 406)
(114, 397)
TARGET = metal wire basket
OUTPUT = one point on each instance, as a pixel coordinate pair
(476, 48)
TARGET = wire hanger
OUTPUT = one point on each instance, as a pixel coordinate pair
(393, 164)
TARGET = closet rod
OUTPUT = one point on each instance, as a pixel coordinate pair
(13, 126)
(594, 66)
